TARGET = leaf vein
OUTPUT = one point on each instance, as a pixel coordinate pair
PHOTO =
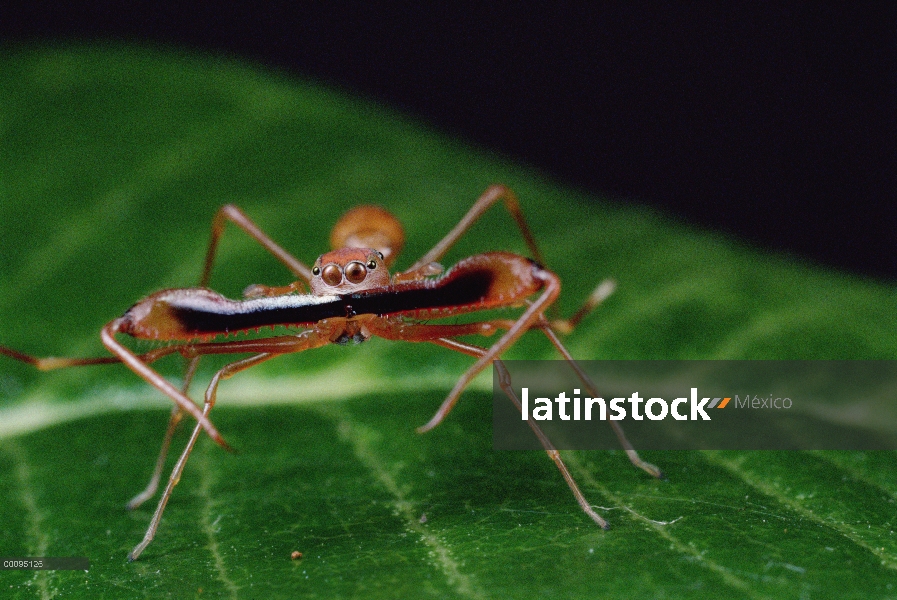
(887, 559)
(38, 542)
(660, 528)
(208, 523)
(355, 434)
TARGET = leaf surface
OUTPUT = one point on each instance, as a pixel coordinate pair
(114, 161)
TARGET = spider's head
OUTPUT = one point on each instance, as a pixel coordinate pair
(349, 270)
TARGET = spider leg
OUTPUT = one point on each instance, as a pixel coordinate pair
(492, 195)
(236, 216)
(232, 213)
(598, 295)
(547, 327)
(590, 385)
(174, 478)
(530, 317)
(176, 416)
(505, 382)
(152, 377)
(268, 349)
(51, 363)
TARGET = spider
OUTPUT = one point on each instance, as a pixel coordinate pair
(347, 295)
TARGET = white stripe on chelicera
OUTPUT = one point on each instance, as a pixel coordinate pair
(219, 304)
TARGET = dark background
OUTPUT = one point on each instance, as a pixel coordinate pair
(775, 123)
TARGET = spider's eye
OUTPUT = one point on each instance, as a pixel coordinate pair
(332, 275)
(316, 271)
(355, 272)
(372, 264)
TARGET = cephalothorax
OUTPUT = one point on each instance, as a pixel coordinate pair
(352, 298)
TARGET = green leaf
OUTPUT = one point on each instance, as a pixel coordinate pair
(113, 162)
